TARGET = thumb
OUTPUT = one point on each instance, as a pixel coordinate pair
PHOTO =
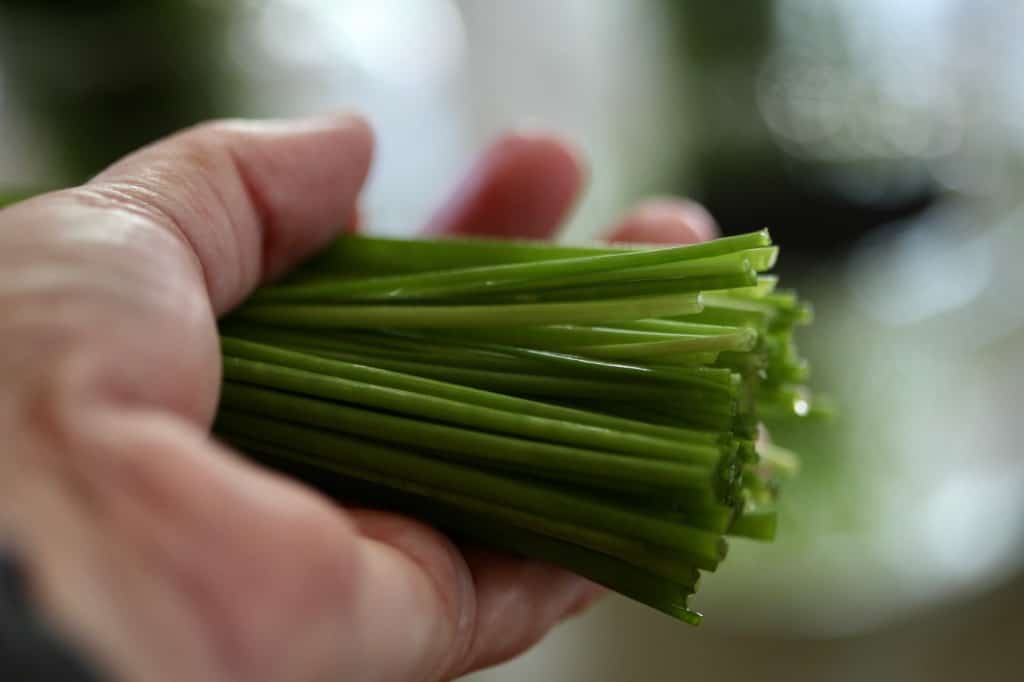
(249, 198)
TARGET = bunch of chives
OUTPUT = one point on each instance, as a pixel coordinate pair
(597, 408)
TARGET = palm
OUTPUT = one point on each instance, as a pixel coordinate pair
(111, 292)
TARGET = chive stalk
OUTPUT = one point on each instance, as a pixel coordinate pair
(595, 407)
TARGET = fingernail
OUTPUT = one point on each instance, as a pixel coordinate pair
(299, 124)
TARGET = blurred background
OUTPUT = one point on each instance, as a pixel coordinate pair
(882, 142)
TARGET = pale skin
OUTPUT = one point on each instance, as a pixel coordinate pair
(164, 554)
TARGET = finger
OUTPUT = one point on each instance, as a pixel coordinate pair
(523, 186)
(665, 221)
(355, 221)
(437, 557)
(249, 198)
(499, 604)
(518, 602)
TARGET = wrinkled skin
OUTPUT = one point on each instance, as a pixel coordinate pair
(162, 553)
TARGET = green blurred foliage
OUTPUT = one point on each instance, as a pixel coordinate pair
(103, 77)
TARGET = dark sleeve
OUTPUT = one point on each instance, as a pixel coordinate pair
(29, 650)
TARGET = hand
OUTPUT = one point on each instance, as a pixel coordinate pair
(162, 553)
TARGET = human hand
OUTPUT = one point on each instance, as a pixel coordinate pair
(161, 552)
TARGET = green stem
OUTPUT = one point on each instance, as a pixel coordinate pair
(437, 409)
(667, 595)
(699, 259)
(704, 549)
(428, 316)
(514, 383)
(443, 389)
(497, 517)
(555, 462)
